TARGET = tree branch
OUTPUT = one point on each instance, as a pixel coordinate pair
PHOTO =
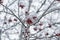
(41, 6)
(44, 12)
(10, 27)
(30, 1)
(12, 3)
(13, 14)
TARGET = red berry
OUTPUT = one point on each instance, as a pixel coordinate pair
(34, 17)
(5, 23)
(28, 32)
(26, 36)
(58, 34)
(40, 24)
(46, 34)
(10, 20)
(40, 29)
(26, 13)
(29, 21)
(23, 32)
(15, 19)
(35, 29)
(22, 6)
(49, 25)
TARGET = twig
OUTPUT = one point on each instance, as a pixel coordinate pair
(44, 12)
(30, 1)
(40, 6)
(14, 14)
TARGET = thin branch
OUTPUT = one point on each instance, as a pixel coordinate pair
(30, 2)
(45, 27)
(41, 6)
(5, 18)
(7, 36)
(10, 27)
(44, 12)
(12, 3)
(14, 14)
(56, 23)
(0, 33)
(18, 8)
(52, 10)
(8, 9)
(21, 33)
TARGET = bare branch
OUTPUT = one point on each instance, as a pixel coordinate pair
(44, 12)
(12, 3)
(30, 2)
(10, 27)
(52, 10)
(14, 15)
(41, 6)
(18, 8)
(7, 36)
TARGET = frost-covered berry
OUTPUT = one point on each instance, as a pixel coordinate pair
(40, 29)
(29, 21)
(34, 17)
(15, 19)
(58, 34)
(50, 26)
(35, 29)
(40, 24)
(5, 22)
(46, 34)
(9, 20)
(26, 12)
(22, 6)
